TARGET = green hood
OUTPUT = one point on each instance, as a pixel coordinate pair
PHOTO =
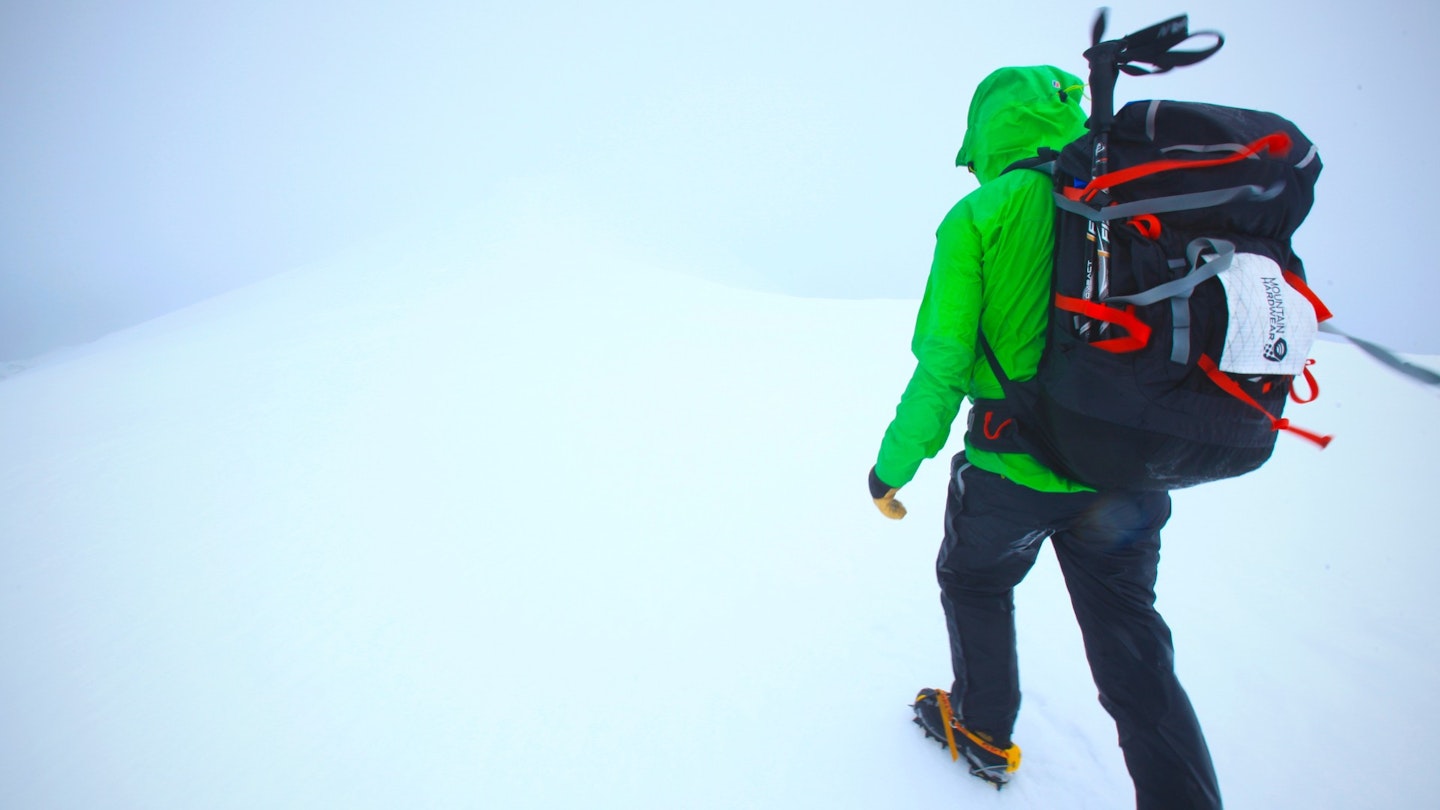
(1017, 110)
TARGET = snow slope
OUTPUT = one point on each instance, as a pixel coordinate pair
(513, 517)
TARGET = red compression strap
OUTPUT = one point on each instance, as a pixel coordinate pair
(1233, 388)
(1322, 312)
(1310, 381)
(1277, 143)
(1138, 338)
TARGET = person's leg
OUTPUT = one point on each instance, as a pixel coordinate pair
(990, 544)
(1109, 556)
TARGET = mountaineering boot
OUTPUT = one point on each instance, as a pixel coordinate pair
(991, 762)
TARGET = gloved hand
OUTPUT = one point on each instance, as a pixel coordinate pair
(884, 496)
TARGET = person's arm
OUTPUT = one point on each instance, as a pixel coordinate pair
(944, 348)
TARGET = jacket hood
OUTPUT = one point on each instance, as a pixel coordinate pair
(1017, 110)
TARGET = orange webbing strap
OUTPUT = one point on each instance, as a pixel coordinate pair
(1139, 332)
(1011, 755)
(1277, 143)
(944, 700)
(1233, 389)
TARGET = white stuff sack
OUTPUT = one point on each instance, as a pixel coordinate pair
(1272, 325)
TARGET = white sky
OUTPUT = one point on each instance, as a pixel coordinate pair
(153, 152)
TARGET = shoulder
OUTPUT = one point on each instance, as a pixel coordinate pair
(1010, 197)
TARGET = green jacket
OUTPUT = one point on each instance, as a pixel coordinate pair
(991, 271)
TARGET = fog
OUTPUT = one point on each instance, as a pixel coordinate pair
(154, 153)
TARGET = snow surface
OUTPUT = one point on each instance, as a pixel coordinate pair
(507, 515)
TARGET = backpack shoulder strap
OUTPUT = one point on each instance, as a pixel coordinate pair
(1044, 161)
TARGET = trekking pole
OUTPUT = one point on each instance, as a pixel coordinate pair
(1102, 57)
(1107, 59)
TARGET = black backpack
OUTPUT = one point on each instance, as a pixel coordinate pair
(1181, 317)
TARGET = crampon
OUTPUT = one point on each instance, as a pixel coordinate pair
(986, 760)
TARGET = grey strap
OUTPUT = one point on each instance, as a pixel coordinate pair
(1187, 283)
(1389, 358)
(1177, 202)
(1179, 290)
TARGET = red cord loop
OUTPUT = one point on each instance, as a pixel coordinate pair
(995, 434)
(1233, 388)
(1310, 381)
(1147, 224)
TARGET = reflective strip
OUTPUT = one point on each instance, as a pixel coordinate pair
(1150, 119)
(1234, 147)
(1214, 147)
(960, 478)
(1276, 143)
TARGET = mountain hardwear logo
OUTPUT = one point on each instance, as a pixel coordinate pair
(1275, 348)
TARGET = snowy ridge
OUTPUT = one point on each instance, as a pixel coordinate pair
(526, 522)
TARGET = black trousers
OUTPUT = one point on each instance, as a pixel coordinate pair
(1108, 545)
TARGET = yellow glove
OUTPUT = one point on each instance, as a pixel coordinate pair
(884, 496)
